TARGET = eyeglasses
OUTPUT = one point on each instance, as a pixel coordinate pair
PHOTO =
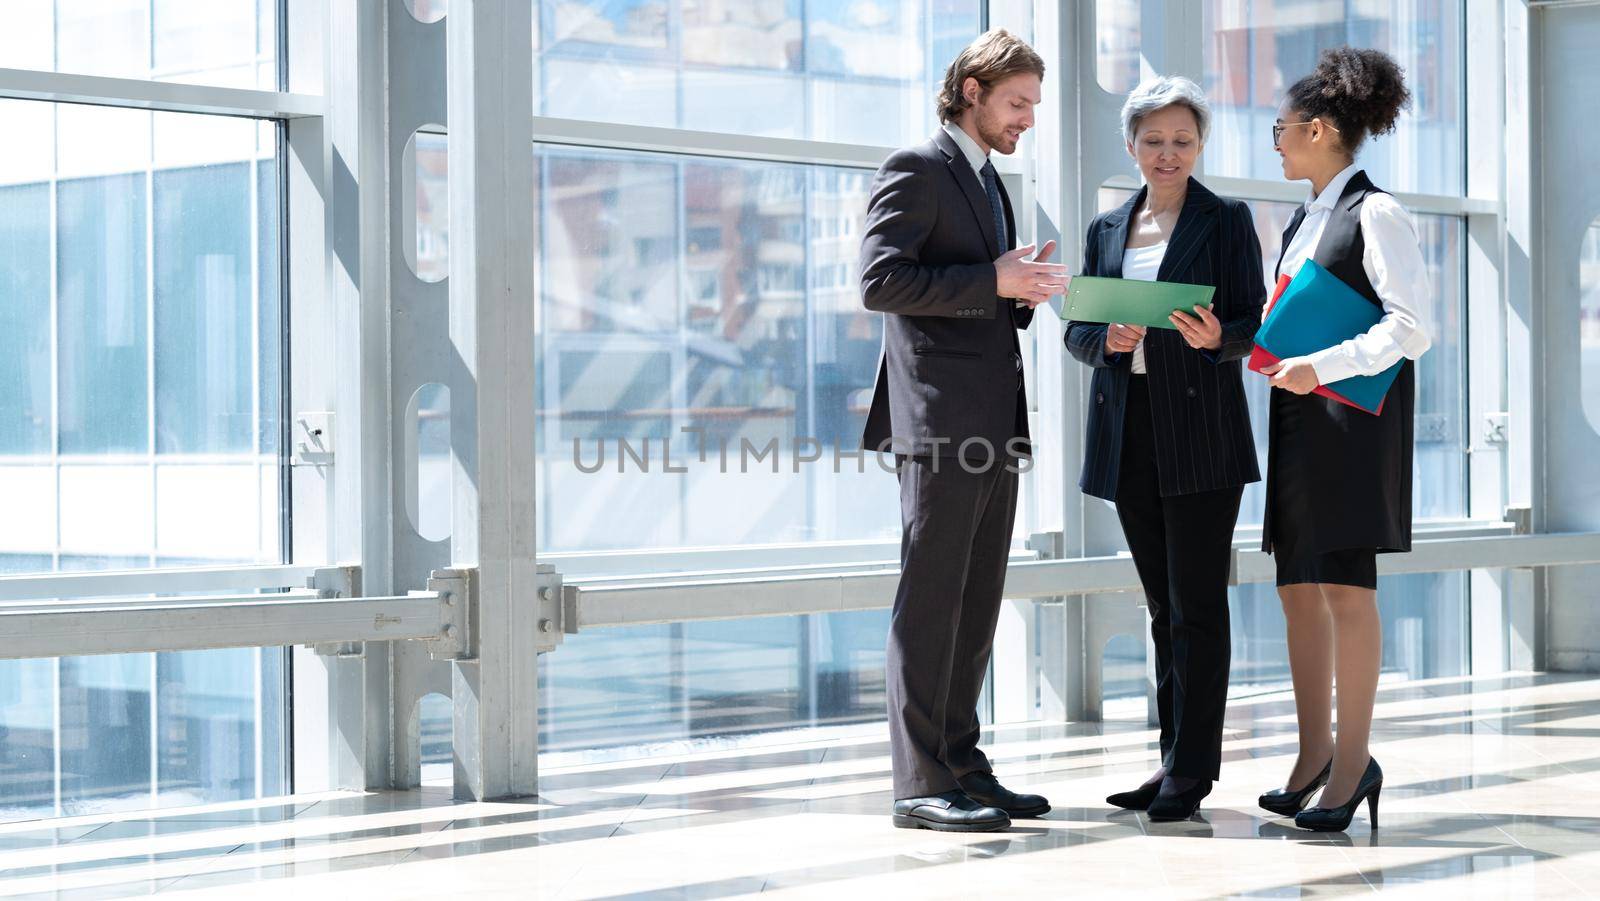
(1277, 129)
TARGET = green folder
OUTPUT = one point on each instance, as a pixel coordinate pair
(1131, 301)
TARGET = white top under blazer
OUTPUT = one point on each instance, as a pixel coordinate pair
(1393, 263)
(1142, 264)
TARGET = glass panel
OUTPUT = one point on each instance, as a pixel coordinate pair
(135, 730)
(275, 726)
(639, 688)
(205, 399)
(431, 256)
(687, 305)
(436, 724)
(1589, 321)
(105, 733)
(270, 339)
(25, 417)
(27, 730)
(1117, 39)
(742, 35)
(1123, 685)
(428, 499)
(427, 10)
(100, 262)
(1256, 49)
(206, 749)
(215, 42)
(786, 68)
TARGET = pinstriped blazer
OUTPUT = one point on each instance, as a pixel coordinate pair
(1201, 422)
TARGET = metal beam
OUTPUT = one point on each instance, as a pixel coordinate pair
(605, 604)
(62, 629)
(112, 583)
(167, 96)
(654, 139)
(704, 143)
(57, 628)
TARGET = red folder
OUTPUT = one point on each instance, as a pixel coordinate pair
(1261, 358)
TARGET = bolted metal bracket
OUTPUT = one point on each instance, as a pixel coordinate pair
(1049, 546)
(458, 598)
(558, 609)
(313, 439)
(1495, 427)
(337, 582)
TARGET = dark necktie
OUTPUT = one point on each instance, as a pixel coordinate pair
(991, 186)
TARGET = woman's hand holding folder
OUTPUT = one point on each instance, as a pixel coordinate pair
(1295, 374)
(1122, 339)
(1203, 330)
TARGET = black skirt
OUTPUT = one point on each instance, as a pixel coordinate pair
(1293, 520)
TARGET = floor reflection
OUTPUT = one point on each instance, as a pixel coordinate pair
(1489, 793)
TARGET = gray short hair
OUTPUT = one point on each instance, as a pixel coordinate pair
(1162, 92)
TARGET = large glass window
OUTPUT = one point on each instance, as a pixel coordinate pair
(781, 68)
(139, 427)
(1255, 49)
(690, 304)
(227, 43)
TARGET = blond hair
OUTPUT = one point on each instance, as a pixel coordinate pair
(996, 55)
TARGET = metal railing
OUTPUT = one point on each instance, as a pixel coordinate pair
(72, 614)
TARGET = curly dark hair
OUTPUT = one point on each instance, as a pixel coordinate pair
(1360, 91)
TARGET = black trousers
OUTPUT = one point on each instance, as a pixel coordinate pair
(1181, 546)
(956, 536)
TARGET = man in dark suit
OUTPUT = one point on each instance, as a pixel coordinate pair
(937, 261)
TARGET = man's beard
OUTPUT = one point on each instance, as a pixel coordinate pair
(992, 131)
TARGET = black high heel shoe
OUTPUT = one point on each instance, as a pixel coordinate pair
(1179, 805)
(1287, 803)
(1138, 799)
(1337, 819)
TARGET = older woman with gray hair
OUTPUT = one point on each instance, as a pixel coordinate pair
(1169, 438)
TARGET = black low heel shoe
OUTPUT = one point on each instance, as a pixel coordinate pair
(1337, 819)
(1286, 803)
(1179, 805)
(1138, 799)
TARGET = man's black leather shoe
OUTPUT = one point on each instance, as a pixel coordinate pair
(951, 811)
(986, 789)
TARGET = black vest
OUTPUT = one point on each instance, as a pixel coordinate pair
(1362, 496)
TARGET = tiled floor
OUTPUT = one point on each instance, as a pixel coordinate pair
(1491, 791)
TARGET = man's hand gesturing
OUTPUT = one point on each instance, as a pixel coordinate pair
(1030, 281)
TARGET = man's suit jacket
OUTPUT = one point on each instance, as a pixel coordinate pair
(951, 365)
(1201, 421)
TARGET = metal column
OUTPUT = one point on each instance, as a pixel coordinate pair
(490, 87)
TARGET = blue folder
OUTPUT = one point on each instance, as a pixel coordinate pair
(1317, 311)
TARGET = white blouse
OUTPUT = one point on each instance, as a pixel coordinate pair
(1142, 264)
(1393, 263)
